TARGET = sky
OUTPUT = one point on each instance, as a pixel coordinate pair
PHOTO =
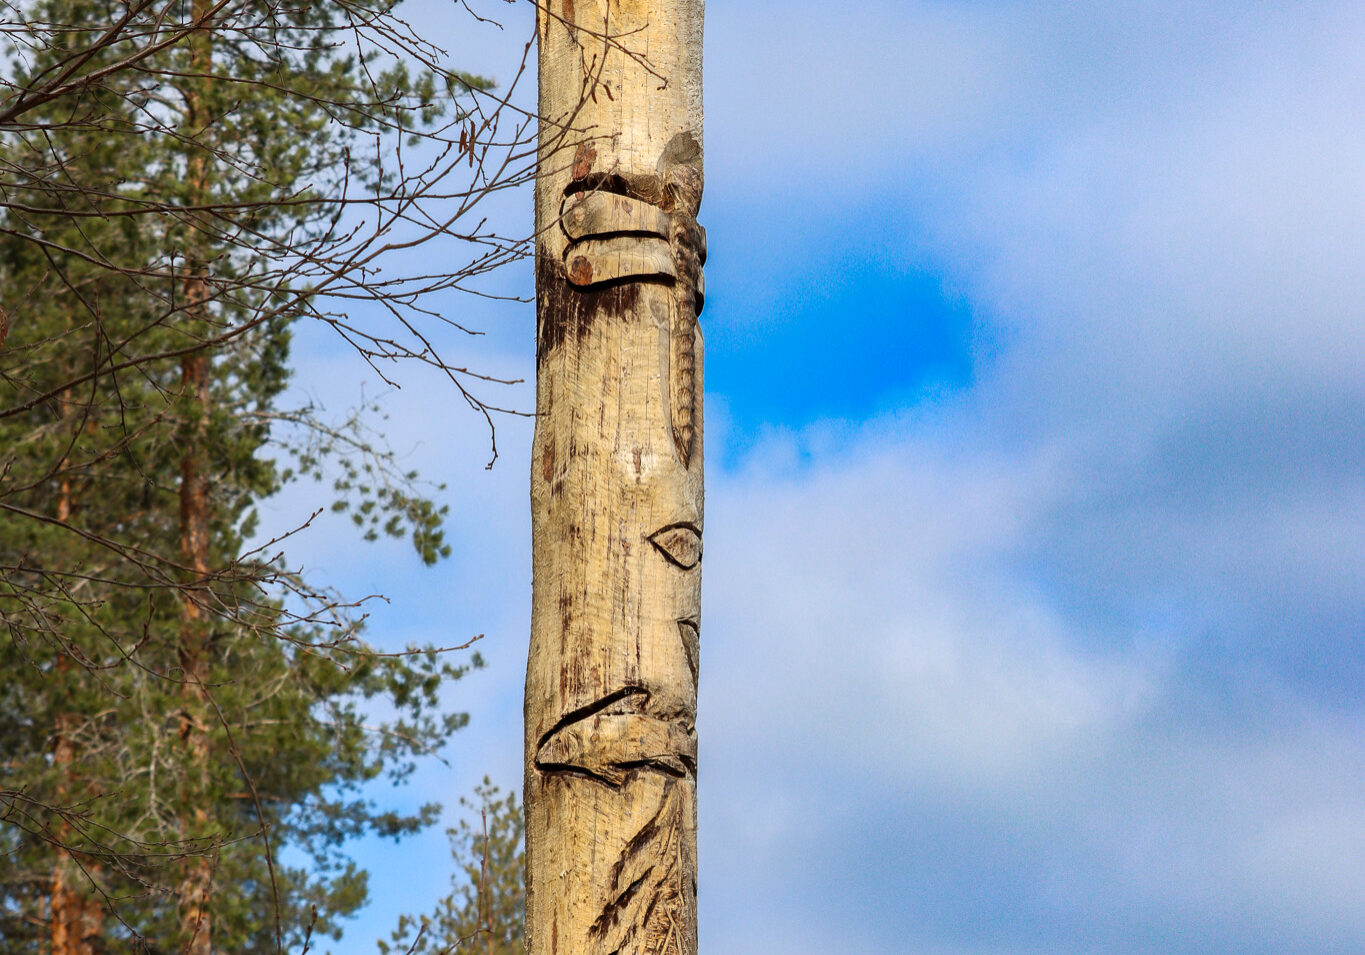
(1035, 572)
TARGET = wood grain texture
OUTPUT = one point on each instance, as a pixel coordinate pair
(616, 491)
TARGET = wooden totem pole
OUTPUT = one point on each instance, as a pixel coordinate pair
(616, 482)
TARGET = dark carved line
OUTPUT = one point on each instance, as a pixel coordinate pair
(627, 768)
(634, 850)
(656, 765)
(579, 269)
(644, 187)
(654, 839)
(613, 908)
(674, 868)
(662, 281)
(685, 525)
(689, 630)
(567, 769)
(583, 712)
(639, 840)
(680, 525)
(633, 233)
(649, 909)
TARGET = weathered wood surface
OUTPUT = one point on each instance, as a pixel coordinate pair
(616, 490)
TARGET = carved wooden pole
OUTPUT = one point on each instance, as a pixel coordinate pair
(616, 482)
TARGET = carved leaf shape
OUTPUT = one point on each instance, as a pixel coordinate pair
(680, 543)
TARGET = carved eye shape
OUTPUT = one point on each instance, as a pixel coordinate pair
(680, 543)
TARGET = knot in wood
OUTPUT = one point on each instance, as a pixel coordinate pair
(580, 270)
(583, 159)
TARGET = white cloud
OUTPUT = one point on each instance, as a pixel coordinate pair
(867, 630)
(866, 584)
(828, 97)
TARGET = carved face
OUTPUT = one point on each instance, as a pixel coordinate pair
(649, 726)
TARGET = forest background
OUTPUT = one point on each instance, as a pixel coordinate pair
(190, 723)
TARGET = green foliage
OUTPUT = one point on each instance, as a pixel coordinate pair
(486, 906)
(370, 485)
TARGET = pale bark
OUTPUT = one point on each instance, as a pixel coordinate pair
(616, 482)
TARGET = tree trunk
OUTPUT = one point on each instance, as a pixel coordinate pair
(196, 883)
(77, 917)
(616, 482)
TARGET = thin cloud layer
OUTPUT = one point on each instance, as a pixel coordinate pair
(897, 719)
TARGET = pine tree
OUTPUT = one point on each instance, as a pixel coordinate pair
(179, 712)
(486, 906)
